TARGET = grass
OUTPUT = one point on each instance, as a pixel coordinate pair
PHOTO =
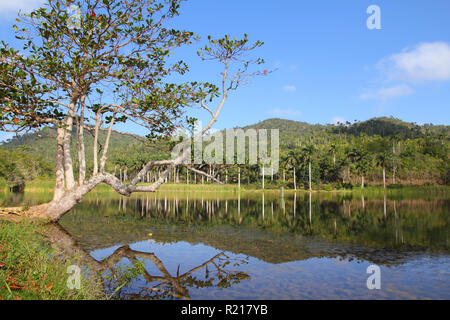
(203, 187)
(30, 269)
(46, 185)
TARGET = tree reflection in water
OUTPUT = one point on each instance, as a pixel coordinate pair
(168, 286)
(116, 277)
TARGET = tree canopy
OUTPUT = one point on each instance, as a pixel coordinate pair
(111, 61)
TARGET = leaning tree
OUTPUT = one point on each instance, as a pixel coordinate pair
(87, 65)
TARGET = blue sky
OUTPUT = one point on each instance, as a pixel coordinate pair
(330, 66)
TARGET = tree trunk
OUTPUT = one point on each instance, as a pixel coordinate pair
(68, 167)
(263, 176)
(239, 177)
(105, 147)
(393, 174)
(384, 177)
(295, 181)
(59, 173)
(310, 184)
(362, 182)
(58, 207)
(81, 148)
(94, 149)
(393, 162)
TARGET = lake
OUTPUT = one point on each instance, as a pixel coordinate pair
(271, 245)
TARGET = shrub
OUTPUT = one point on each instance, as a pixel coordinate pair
(395, 186)
(327, 187)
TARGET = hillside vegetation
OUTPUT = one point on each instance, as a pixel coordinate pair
(341, 155)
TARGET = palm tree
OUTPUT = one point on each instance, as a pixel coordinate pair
(352, 154)
(363, 165)
(395, 155)
(382, 160)
(307, 155)
(292, 162)
(332, 150)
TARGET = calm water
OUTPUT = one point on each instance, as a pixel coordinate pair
(266, 246)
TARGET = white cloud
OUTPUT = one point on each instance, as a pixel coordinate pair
(429, 61)
(285, 113)
(290, 88)
(337, 119)
(389, 93)
(12, 7)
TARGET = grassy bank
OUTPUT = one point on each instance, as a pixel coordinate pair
(45, 185)
(31, 269)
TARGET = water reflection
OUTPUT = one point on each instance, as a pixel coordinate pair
(125, 272)
(214, 272)
(404, 225)
(299, 245)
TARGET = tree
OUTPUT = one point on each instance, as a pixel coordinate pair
(362, 165)
(352, 154)
(112, 69)
(18, 167)
(292, 160)
(332, 150)
(307, 156)
(382, 161)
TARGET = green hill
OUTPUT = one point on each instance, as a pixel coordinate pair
(383, 126)
(386, 127)
(43, 144)
(342, 152)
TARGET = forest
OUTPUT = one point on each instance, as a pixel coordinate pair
(382, 151)
(19, 166)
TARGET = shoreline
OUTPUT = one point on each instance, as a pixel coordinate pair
(48, 185)
(37, 268)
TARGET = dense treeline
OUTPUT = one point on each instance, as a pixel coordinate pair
(382, 151)
(17, 167)
(44, 145)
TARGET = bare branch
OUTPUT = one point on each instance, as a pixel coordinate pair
(108, 136)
